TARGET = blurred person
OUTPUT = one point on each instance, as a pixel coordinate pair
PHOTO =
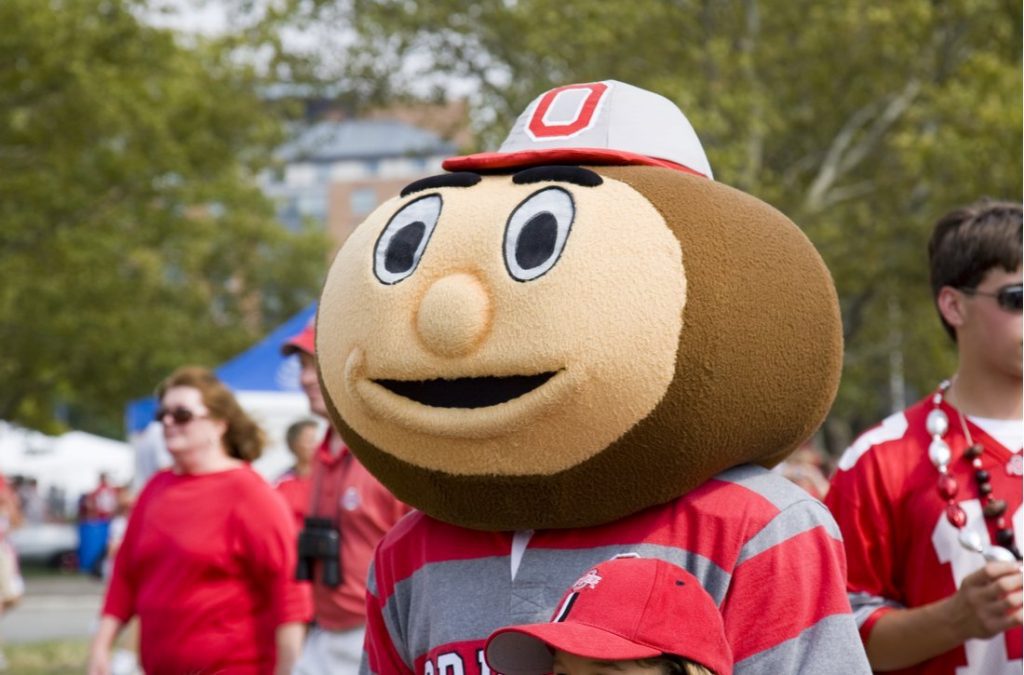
(208, 553)
(302, 438)
(101, 503)
(349, 512)
(929, 501)
(808, 468)
(12, 585)
(33, 506)
(124, 657)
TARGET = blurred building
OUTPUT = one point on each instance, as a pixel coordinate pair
(335, 171)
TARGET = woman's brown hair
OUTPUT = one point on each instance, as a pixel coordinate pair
(244, 439)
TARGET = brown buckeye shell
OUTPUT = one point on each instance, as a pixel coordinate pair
(757, 369)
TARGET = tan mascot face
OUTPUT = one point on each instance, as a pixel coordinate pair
(565, 345)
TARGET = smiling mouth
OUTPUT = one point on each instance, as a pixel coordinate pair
(466, 392)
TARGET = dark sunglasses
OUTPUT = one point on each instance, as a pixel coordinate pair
(178, 415)
(1009, 297)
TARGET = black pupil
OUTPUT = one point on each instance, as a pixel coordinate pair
(537, 241)
(401, 252)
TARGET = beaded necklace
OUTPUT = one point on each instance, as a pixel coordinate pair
(994, 509)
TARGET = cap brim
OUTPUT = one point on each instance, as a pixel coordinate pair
(528, 650)
(299, 343)
(494, 161)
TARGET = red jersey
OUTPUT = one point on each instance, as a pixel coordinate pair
(207, 563)
(900, 549)
(766, 551)
(364, 511)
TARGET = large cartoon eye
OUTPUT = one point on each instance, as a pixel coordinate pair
(401, 244)
(536, 233)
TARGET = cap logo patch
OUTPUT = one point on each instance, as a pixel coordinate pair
(588, 580)
(567, 111)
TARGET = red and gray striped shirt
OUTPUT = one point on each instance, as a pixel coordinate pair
(769, 554)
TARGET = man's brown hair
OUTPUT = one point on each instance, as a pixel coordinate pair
(969, 241)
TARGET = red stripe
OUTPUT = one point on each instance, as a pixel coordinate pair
(734, 510)
(865, 628)
(525, 158)
(806, 565)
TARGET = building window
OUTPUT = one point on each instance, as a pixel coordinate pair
(362, 201)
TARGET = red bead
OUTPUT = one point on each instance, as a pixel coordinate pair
(956, 516)
(947, 486)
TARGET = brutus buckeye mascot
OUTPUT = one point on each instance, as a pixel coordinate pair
(582, 346)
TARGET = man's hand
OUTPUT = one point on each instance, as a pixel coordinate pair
(989, 601)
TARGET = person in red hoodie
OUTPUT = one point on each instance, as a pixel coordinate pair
(349, 513)
(207, 558)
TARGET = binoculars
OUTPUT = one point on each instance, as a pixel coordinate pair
(319, 540)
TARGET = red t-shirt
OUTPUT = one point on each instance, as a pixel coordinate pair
(207, 563)
(364, 510)
(296, 493)
(900, 549)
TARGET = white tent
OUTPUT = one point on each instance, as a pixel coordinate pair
(71, 462)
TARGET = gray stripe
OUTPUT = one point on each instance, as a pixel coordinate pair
(781, 492)
(829, 647)
(799, 517)
(865, 604)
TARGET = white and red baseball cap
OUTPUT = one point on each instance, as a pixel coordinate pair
(606, 122)
(625, 608)
(303, 341)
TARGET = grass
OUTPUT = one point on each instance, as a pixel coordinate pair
(48, 658)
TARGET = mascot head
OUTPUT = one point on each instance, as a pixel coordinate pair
(576, 327)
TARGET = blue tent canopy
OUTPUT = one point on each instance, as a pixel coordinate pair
(259, 368)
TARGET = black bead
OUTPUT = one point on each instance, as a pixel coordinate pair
(995, 508)
(981, 476)
(985, 488)
(1004, 537)
(974, 451)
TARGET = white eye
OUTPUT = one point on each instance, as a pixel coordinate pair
(536, 233)
(401, 244)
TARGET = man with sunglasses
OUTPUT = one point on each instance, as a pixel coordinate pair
(349, 511)
(929, 501)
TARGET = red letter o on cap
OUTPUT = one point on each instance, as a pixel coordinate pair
(539, 128)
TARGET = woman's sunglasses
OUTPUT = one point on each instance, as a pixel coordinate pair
(178, 415)
(1009, 297)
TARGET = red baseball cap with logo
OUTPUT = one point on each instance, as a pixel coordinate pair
(607, 122)
(303, 341)
(623, 609)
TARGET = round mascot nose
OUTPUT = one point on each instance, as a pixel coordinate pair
(454, 315)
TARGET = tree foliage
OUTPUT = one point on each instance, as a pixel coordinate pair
(132, 238)
(863, 120)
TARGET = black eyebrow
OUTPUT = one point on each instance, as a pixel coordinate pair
(563, 174)
(454, 179)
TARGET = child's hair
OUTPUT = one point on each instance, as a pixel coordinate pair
(675, 665)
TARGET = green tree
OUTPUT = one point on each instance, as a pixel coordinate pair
(132, 236)
(863, 120)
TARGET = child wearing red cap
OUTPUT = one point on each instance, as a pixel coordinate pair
(637, 616)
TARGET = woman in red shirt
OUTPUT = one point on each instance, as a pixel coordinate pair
(209, 552)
